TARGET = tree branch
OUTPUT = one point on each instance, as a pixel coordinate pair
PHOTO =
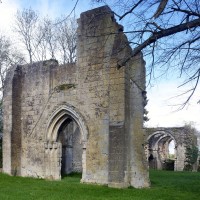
(131, 10)
(69, 14)
(160, 9)
(160, 34)
(192, 91)
(186, 11)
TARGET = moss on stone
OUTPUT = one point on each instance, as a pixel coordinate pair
(65, 86)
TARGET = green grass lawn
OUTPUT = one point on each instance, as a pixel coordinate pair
(164, 185)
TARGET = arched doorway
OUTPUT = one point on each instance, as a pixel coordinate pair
(160, 146)
(70, 138)
(65, 149)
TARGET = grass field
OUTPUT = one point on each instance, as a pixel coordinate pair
(164, 185)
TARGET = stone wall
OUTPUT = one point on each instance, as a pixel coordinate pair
(7, 121)
(105, 103)
(158, 145)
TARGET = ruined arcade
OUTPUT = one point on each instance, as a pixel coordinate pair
(157, 147)
(85, 117)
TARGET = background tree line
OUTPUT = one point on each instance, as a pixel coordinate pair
(166, 31)
(37, 39)
(46, 38)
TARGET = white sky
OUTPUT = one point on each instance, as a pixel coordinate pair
(160, 111)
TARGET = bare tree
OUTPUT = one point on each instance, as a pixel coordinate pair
(50, 36)
(46, 38)
(26, 26)
(4, 53)
(9, 57)
(67, 40)
(166, 31)
(41, 49)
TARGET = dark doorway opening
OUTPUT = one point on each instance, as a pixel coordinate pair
(70, 137)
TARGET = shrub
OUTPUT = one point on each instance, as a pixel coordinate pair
(192, 154)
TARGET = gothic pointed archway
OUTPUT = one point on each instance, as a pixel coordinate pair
(70, 138)
(66, 139)
(158, 150)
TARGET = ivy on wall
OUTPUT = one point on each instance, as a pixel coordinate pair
(192, 153)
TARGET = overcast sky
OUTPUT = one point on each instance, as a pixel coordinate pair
(161, 92)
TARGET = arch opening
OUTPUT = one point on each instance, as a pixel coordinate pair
(161, 151)
(69, 137)
(66, 143)
(172, 149)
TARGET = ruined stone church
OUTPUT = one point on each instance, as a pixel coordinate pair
(85, 117)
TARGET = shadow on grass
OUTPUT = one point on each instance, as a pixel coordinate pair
(72, 175)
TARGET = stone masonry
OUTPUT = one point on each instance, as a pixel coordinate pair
(85, 117)
(157, 146)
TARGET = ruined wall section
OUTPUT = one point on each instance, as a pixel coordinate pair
(102, 89)
(16, 136)
(7, 121)
(44, 88)
(137, 165)
(103, 100)
(34, 97)
(12, 140)
(94, 51)
(119, 124)
(63, 86)
(101, 46)
(182, 139)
